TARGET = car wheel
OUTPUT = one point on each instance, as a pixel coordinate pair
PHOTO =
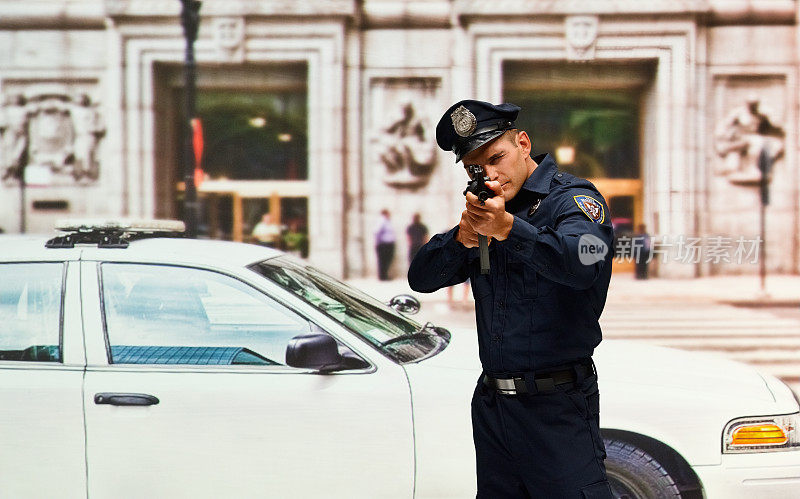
(634, 474)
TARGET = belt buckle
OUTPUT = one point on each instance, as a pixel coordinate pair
(513, 386)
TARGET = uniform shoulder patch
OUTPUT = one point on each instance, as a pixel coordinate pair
(591, 207)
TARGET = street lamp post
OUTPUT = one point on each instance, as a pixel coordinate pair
(190, 20)
(765, 165)
(23, 202)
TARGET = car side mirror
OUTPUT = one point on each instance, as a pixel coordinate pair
(318, 351)
(405, 304)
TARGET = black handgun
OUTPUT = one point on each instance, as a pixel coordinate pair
(477, 186)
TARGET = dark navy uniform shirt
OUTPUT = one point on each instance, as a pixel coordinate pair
(540, 303)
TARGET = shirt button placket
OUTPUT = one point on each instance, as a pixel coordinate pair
(498, 324)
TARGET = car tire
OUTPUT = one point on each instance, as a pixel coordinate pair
(634, 474)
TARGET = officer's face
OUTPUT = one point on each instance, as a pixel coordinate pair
(505, 159)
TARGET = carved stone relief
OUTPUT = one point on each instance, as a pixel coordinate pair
(229, 38)
(581, 35)
(149, 8)
(14, 117)
(51, 131)
(747, 134)
(402, 132)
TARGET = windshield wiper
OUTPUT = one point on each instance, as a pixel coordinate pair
(425, 331)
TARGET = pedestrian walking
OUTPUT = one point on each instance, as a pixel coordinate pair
(643, 251)
(384, 245)
(417, 234)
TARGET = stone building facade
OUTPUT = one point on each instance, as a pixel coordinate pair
(90, 92)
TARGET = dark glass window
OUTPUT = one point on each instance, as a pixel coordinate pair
(254, 135)
(598, 129)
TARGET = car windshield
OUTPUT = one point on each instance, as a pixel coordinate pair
(395, 335)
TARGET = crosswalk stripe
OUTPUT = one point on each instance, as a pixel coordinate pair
(705, 334)
(755, 336)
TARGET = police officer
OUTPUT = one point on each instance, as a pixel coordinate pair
(535, 407)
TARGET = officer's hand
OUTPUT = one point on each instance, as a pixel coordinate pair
(490, 218)
(466, 234)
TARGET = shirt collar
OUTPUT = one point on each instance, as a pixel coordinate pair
(540, 179)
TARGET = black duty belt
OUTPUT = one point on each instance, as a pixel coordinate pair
(546, 381)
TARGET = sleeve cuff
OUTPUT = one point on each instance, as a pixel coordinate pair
(522, 240)
(452, 248)
(522, 236)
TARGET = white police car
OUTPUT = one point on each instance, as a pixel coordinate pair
(137, 365)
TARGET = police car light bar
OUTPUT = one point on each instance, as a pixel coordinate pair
(120, 225)
(112, 233)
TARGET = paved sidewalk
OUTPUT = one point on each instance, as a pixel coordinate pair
(710, 295)
(781, 290)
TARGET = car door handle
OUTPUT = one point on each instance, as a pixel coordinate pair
(125, 399)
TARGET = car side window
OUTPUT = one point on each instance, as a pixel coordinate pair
(30, 311)
(158, 314)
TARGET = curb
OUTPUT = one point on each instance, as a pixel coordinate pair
(762, 303)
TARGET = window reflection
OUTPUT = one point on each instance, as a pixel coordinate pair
(30, 311)
(594, 134)
(251, 135)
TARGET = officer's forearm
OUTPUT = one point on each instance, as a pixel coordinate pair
(439, 263)
(504, 227)
(555, 253)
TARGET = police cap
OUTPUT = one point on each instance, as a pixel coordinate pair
(469, 124)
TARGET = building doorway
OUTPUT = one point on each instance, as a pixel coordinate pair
(255, 153)
(588, 117)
